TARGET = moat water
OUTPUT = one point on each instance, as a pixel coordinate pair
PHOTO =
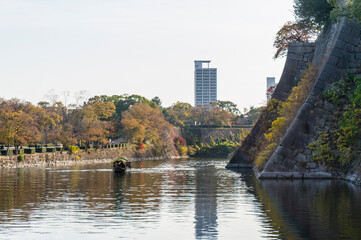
(174, 199)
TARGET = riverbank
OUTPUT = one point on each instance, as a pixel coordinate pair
(90, 156)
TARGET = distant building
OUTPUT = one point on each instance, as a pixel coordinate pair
(205, 84)
(271, 85)
(271, 81)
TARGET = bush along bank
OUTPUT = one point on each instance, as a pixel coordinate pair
(219, 148)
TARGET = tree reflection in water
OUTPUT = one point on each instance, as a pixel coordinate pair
(174, 199)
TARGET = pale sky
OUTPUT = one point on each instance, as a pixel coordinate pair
(145, 47)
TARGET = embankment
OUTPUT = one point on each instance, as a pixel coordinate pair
(337, 53)
(84, 157)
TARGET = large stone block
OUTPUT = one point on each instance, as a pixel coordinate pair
(285, 152)
(289, 163)
(333, 60)
(350, 48)
(346, 29)
(301, 157)
(287, 141)
(348, 39)
(340, 44)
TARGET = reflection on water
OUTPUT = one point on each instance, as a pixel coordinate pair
(177, 199)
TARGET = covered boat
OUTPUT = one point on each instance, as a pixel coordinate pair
(121, 164)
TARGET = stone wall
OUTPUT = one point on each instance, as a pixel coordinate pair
(337, 52)
(341, 53)
(205, 134)
(89, 156)
(299, 55)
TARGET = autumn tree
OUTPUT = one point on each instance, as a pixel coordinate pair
(90, 124)
(290, 32)
(17, 124)
(218, 117)
(179, 114)
(141, 123)
(48, 122)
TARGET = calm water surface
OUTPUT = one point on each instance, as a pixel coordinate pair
(174, 199)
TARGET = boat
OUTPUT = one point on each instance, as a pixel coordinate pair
(121, 164)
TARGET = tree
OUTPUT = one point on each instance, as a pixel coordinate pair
(313, 13)
(218, 117)
(253, 114)
(157, 101)
(17, 125)
(346, 8)
(290, 32)
(141, 123)
(48, 123)
(179, 114)
(103, 110)
(270, 92)
(90, 124)
(226, 106)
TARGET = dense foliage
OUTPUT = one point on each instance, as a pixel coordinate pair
(219, 148)
(312, 13)
(220, 114)
(346, 8)
(311, 16)
(346, 95)
(290, 32)
(285, 112)
(103, 119)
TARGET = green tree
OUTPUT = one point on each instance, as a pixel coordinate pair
(157, 101)
(226, 106)
(312, 13)
(179, 114)
(346, 8)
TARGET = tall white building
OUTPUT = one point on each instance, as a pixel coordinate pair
(205, 84)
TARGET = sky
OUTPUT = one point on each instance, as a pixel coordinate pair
(144, 47)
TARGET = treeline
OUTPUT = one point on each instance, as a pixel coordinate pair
(104, 119)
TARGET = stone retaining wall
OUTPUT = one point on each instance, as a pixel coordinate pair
(82, 157)
(299, 55)
(292, 158)
(337, 52)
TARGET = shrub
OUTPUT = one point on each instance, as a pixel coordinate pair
(21, 158)
(20, 151)
(321, 150)
(337, 147)
(50, 149)
(40, 150)
(286, 112)
(140, 146)
(29, 150)
(73, 149)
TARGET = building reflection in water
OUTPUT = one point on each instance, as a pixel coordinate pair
(206, 203)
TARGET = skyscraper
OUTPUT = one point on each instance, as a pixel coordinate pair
(205, 84)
